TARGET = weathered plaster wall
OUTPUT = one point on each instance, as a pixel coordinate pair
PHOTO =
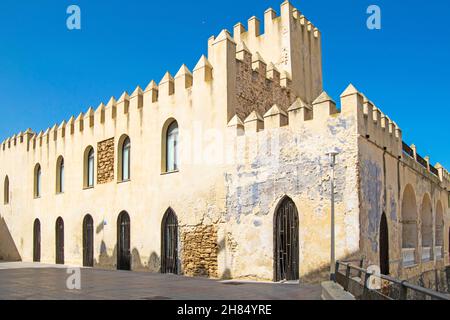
(385, 173)
(379, 192)
(291, 161)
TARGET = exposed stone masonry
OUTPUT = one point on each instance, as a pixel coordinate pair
(105, 161)
(255, 92)
(200, 251)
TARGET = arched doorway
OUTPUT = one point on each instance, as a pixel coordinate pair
(169, 243)
(37, 241)
(88, 241)
(123, 242)
(384, 245)
(59, 232)
(286, 241)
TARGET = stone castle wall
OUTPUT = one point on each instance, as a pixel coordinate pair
(255, 91)
(225, 210)
(200, 251)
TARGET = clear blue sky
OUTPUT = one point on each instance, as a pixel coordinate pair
(48, 73)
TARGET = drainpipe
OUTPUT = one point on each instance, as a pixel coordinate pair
(332, 156)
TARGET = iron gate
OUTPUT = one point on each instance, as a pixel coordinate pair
(37, 241)
(169, 250)
(88, 241)
(286, 241)
(59, 241)
(123, 250)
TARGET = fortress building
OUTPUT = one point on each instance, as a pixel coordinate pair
(222, 172)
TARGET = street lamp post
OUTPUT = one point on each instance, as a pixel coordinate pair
(332, 157)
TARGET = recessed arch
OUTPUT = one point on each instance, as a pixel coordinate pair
(439, 235)
(37, 183)
(60, 175)
(123, 242)
(88, 241)
(89, 167)
(59, 241)
(6, 190)
(286, 240)
(169, 242)
(426, 218)
(124, 158)
(170, 146)
(409, 225)
(409, 218)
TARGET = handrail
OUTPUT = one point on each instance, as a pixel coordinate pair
(403, 283)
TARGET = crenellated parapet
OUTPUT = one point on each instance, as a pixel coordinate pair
(290, 42)
(18, 140)
(106, 115)
(412, 157)
(373, 124)
(259, 84)
(369, 121)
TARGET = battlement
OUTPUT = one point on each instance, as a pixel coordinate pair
(259, 84)
(411, 154)
(258, 80)
(290, 42)
(169, 88)
(370, 122)
(269, 62)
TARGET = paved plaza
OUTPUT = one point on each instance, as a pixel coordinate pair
(42, 281)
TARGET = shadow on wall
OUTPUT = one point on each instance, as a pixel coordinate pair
(106, 261)
(8, 249)
(226, 274)
(323, 273)
(152, 265)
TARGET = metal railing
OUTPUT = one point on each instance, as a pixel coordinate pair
(390, 289)
(408, 150)
(419, 159)
(434, 170)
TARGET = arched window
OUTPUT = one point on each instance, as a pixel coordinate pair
(6, 190)
(89, 167)
(409, 226)
(37, 181)
(171, 152)
(60, 175)
(427, 228)
(124, 158)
